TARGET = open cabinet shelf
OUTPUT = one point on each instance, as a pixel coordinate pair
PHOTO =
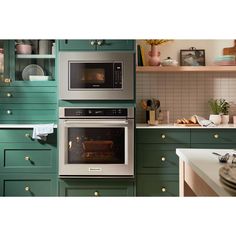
(156, 69)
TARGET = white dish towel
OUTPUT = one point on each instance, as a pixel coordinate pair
(41, 131)
(203, 122)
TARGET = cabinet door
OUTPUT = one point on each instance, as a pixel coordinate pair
(77, 45)
(23, 185)
(103, 188)
(115, 45)
(158, 185)
(157, 159)
(4, 62)
(27, 158)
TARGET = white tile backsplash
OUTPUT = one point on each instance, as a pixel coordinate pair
(185, 94)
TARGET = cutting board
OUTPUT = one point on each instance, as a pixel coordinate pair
(230, 51)
(186, 125)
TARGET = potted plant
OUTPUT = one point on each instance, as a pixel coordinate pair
(215, 106)
(224, 111)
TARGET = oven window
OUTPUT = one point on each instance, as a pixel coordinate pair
(96, 145)
(91, 75)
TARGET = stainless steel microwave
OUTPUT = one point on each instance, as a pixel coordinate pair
(96, 75)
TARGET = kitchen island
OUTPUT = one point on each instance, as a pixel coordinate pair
(199, 172)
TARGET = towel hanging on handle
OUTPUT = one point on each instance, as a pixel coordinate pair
(41, 131)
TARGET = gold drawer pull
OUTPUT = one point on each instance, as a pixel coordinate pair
(96, 193)
(27, 136)
(27, 158)
(163, 159)
(163, 189)
(27, 189)
(7, 80)
(163, 136)
(9, 95)
(9, 112)
(216, 135)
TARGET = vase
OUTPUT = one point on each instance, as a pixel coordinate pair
(216, 119)
(154, 56)
(225, 119)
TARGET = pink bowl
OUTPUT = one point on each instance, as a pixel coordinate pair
(23, 49)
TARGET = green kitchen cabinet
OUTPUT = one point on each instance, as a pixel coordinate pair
(28, 185)
(28, 167)
(157, 165)
(100, 45)
(96, 187)
(157, 185)
(21, 99)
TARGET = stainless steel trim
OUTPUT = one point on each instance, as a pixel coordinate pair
(82, 170)
(129, 109)
(126, 93)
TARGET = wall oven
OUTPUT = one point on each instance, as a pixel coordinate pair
(96, 142)
(96, 75)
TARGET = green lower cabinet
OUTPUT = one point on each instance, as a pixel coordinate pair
(157, 185)
(96, 187)
(23, 185)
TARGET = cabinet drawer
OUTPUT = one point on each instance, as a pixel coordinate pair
(163, 136)
(157, 185)
(28, 186)
(76, 45)
(16, 157)
(16, 113)
(27, 97)
(110, 45)
(24, 136)
(213, 136)
(101, 188)
(157, 159)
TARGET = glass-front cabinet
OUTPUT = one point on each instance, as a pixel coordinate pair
(27, 62)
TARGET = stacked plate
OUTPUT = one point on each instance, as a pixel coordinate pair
(228, 177)
(226, 60)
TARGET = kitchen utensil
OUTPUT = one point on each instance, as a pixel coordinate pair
(143, 104)
(32, 69)
(149, 104)
(222, 158)
(156, 103)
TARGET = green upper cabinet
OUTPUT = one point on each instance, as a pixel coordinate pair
(28, 62)
(92, 45)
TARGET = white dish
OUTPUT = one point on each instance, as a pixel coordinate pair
(38, 77)
(32, 69)
(228, 172)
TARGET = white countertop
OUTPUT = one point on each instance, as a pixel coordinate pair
(19, 126)
(206, 165)
(172, 126)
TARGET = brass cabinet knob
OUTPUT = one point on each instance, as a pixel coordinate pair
(27, 158)
(9, 112)
(96, 193)
(163, 189)
(93, 42)
(7, 80)
(27, 188)
(163, 159)
(216, 136)
(163, 136)
(9, 95)
(27, 136)
(99, 42)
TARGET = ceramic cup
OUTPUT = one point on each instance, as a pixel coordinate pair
(216, 119)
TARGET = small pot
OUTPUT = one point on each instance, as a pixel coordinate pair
(216, 119)
(23, 49)
(225, 119)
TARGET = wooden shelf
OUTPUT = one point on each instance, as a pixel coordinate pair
(35, 56)
(156, 69)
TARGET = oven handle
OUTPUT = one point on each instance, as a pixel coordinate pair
(115, 122)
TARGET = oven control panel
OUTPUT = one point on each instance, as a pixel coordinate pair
(95, 112)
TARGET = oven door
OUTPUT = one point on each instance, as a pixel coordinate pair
(96, 147)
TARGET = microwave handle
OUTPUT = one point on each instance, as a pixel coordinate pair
(115, 122)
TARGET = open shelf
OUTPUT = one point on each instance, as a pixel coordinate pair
(35, 56)
(156, 69)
